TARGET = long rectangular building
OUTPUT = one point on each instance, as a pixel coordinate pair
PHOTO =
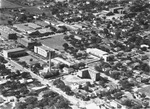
(11, 53)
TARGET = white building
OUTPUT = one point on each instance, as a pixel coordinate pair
(97, 52)
(13, 52)
(42, 50)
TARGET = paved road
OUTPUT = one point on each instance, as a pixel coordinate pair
(73, 100)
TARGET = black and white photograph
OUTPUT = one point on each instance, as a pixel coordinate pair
(74, 54)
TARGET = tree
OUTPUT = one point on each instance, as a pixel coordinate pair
(31, 100)
(50, 94)
(21, 105)
(30, 106)
(65, 45)
(127, 102)
(2, 67)
(98, 68)
(2, 60)
(25, 75)
(81, 64)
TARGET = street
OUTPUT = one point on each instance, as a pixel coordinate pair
(73, 100)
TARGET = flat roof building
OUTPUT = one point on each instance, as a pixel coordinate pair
(89, 74)
(42, 23)
(27, 42)
(97, 52)
(14, 52)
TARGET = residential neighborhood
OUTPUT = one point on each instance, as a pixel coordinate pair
(74, 54)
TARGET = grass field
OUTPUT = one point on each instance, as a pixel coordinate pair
(7, 4)
(145, 90)
(56, 42)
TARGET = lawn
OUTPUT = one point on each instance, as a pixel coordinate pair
(27, 59)
(56, 42)
(145, 90)
(8, 106)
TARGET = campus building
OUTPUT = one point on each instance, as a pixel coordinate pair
(97, 53)
(7, 33)
(27, 42)
(89, 74)
(12, 53)
(43, 51)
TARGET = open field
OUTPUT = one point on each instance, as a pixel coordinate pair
(145, 90)
(27, 59)
(54, 42)
(7, 4)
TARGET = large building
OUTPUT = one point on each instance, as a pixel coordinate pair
(27, 42)
(97, 52)
(12, 53)
(43, 51)
(7, 33)
(89, 74)
(26, 27)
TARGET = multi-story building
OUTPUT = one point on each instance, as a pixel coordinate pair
(89, 74)
(27, 42)
(11, 53)
(43, 51)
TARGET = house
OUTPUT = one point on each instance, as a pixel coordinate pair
(68, 70)
(92, 106)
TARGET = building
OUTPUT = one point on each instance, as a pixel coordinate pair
(33, 25)
(92, 106)
(97, 52)
(45, 31)
(43, 51)
(66, 62)
(68, 70)
(27, 42)
(23, 27)
(42, 23)
(39, 89)
(26, 27)
(7, 33)
(89, 74)
(11, 53)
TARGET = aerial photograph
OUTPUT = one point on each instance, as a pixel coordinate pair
(74, 54)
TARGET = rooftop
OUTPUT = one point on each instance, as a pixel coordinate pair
(33, 25)
(42, 23)
(22, 27)
(45, 30)
(45, 48)
(15, 50)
